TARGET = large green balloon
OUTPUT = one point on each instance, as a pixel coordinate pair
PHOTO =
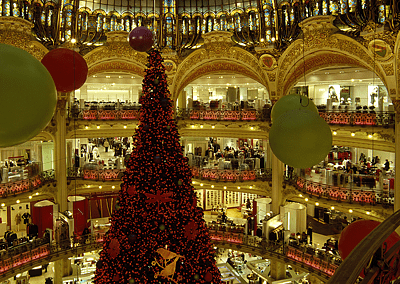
(28, 96)
(291, 102)
(300, 138)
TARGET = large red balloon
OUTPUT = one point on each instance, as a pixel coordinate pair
(141, 39)
(356, 232)
(67, 67)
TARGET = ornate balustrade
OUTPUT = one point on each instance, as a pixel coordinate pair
(26, 185)
(27, 254)
(332, 117)
(342, 194)
(315, 260)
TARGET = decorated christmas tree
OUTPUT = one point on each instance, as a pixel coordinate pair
(157, 232)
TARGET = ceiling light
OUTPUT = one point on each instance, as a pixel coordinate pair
(192, 125)
(224, 187)
(238, 187)
(332, 208)
(18, 201)
(350, 210)
(316, 203)
(212, 186)
(368, 212)
(113, 187)
(370, 136)
(37, 193)
(352, 80)
(120, 77)
(250, 187)
(201, 184)
(2, 205)
(108, 76)
(305, 199)
(193, 182)
(100, 187)
(86, 127)
(98, 126)
(334, 132)
(30, 196)
(213, 126)
(300, 195)
(251, 128)
(73, 40)
(201, 126)
(125, 126)
(353, 134)
(94, 76)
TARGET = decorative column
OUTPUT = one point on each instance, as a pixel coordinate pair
(277, 181)
(62, 267)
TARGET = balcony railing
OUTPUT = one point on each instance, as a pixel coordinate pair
(352, 118)
(15, 259)
(314, 259)
(26, 185)
(23, 257)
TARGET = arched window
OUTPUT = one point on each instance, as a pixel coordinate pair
(237, 22)
(127, 23)
(113, 23)
(209, 24)
(223, 23)
(100, 23)
(381, 14)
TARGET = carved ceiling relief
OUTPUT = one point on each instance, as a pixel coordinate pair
(23, 41)
(115, 50)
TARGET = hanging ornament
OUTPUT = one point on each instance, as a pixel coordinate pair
(180, 182)
(67, 67)
(114, 250)
(28, 96)
(196, 276)
(300, 138)
(291, 102)
(132, 190)
(131, 281)
(159, 198)
(141, 39)
(208, 277)
(156, 81)
(191, 230)
(167, 264)
(168, 127)
(164, 102)
(157, 159)
(132, 238)
(162, 227)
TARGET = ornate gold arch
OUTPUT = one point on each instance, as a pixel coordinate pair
(116, 66)
(323, 49)
(117, 55)
(218, 55)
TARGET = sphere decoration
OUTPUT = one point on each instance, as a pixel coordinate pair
(208, 277)
(355, 233)
(196, 277)
(141, 39)
(291, 102)
(300, 138)
(67, 67)
(28, 96)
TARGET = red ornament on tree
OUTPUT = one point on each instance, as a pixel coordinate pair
(141, 39)
(208, 277)
(67, 68)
